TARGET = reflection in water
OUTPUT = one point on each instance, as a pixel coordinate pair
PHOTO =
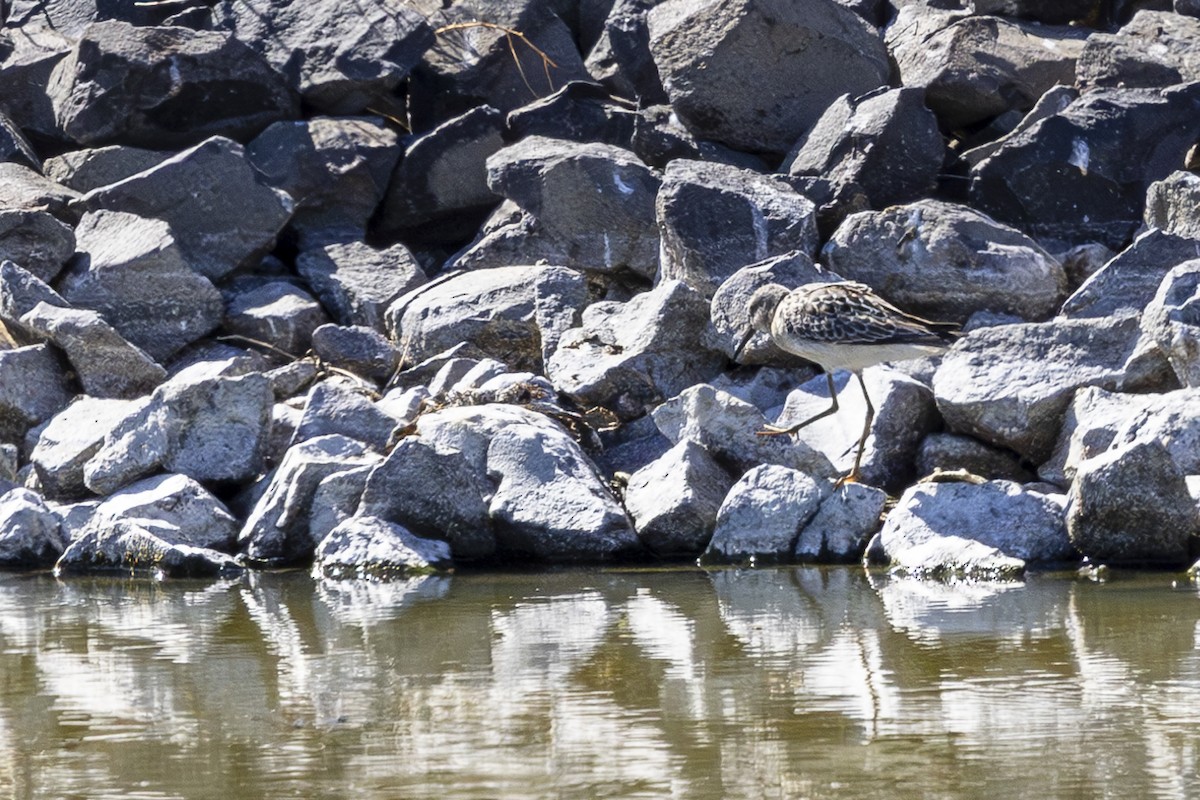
(782, 683)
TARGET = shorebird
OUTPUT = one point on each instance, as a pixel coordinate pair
(841, 325)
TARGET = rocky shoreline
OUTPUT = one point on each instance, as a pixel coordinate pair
(397, 287)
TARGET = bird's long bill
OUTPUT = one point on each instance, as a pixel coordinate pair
(737, 353)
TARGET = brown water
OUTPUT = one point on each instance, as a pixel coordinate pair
(789, 683)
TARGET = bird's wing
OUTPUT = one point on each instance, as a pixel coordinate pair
(850, 313)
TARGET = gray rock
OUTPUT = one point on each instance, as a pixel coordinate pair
(842, 526)
(1172, 321)
(762, 516)
(31, 57)
(105, 363)
(421, 373)
(20, 293)
(755, 76)
(358, 349)
(1131, 504)
(336, 498)
(357, 282)
(68, 440)
(293, 378)
(194, 516)
(580, 111)
(1088, 429)
(726, 427)
(72, 17)
(23, 189)
(404, 405)
(439, 191)
(764, 388)
(952, 452)
(1128, 281)
(674, 500)
(369, 547)
(278, 313)
(597, 198)
(1083, 261)
(221, 211)
(549, 503)
(946, 261)
(904, 414)
(715, 219)
(977, 67)
(988, 530)
(1155, 48)
(14, 146)
(621, 58)
(30, 533)
(630, 446)
(213, 429)
(338, 56)
(111, 88)
(1052, 102)
(513, 314)
(32, 388)
(132, 270)
(137, 545)
(628, 357)
(464, 375)
(36, 241)
(1172, 204)
(873, 151)
(338, 406)
(93, 167)
(333, 168)
(1106, 148)
(277, 529)
(1010, 385)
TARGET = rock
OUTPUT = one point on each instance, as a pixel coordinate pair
(952, 452)
(20, 293)
(336, 498)
(358, 349)
(581, 111)
(9, 462)
(1010, 385)
(762, 516)
(1155, 48)
(621, 58)
(1172, 320)
(873, 151)
(31, 58)
(1128, 282)
(1089, 428)
(842, 526)
(333, 168)
(715, 219)
(1083, 261)
(22, 189)
(549, 503)
(36, 241)
(369, 547)
(419, 375)
(439, 191)
(477, 64)
(32, 388)
(278, 313)
(1131, 504)
(730, 304)
(30, 533)
(111, 87)
(337, 56)
(1105, 149)
(987, 530)
(754, 76)
(72, 17)
(132, 270)
(213, 429)
(15, 147)
(334, 406)
(104, 362)
(221, 211)
(945, 262)
(596, 197)
(674, 500)
(904, 414)
(464, 375)
(69, 439)
(93, 167)
(194, 516)
(1172, 203)
(513, 314)
(356, 282)
(1052, 102)
(276, 532)
(630, 446)
(977, 67)
(136, 545)
(726, 427)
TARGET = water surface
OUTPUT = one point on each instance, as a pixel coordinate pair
(783, 683)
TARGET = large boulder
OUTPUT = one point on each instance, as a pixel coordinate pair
(356, 282)
(197, 518)
(36, 241)
(755, 74)
(761, 517)
(843, 525)
(33, 387)
(30, 533)
(1155, 48)
(1173, 205)
(1172, 321)
(372, 548)
(68, 440)
(278, 313)
(141, 546)
(92, 167)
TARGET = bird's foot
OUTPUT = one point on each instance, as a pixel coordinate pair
(775, 430)
(850, 477)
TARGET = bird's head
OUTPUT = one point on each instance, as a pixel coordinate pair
(760, 312)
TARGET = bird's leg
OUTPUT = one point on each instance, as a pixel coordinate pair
(852, 476)
(775, 430)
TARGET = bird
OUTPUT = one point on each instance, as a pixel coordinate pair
(841, 325)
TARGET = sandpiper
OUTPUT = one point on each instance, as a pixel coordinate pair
(841, 325)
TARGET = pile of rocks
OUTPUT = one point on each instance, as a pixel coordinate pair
(388, 287)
